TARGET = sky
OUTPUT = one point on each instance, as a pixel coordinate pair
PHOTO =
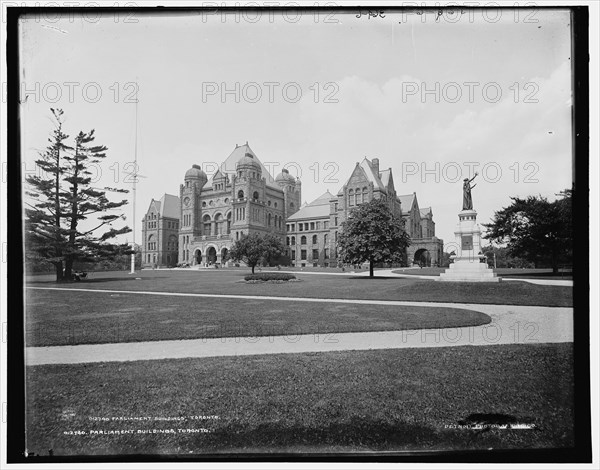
(486, 91)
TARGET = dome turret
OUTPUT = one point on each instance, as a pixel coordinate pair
(196, 174)
(248, 162)
(285, 177)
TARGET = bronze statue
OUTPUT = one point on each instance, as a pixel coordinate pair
(467, 199)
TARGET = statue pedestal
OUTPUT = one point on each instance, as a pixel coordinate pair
(469, 264)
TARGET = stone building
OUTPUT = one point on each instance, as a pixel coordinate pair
(312, 232)
(241, 197)
(200, 226)
(160, 232)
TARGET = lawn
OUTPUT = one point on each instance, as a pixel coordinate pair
(501, 272)
(389, 400)
(224, 281)
(67, 318)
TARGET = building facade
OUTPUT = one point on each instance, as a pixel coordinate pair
(160, 233)
(313, 231)
(242, 197)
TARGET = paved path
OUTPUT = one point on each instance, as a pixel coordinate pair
(510, 325)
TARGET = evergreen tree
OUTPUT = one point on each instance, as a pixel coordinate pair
(63, 198)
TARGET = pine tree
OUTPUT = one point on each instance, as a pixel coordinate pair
(64, 199)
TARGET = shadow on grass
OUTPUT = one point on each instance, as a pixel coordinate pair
(93, 281)
(356, 433)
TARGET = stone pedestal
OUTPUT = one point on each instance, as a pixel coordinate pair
(469, 265)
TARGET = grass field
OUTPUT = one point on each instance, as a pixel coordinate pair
(331, 402)
(66, 318)
(501, 272)
(225, 281)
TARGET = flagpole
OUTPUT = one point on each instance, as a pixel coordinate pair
(134, 185)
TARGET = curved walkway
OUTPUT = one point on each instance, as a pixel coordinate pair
(510, 325)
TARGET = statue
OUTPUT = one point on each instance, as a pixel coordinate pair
(467, 199)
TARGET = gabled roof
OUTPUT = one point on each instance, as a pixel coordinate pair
(228, 166)
(385, 176)
(427, 211)
(319, 208)
(370, 174)
(170, 206)
(407, 202)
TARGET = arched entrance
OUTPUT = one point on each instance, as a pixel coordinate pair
(197, 257)
(211, 255)
(224, 255)
(422, 257)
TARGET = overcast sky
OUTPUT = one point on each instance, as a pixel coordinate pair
(434, 100)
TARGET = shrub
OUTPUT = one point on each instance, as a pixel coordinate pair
(270, 277)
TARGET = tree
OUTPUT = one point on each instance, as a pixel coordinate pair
(63, 198)
(253, 248)
(535, 229)
(374, 234)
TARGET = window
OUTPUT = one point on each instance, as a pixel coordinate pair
(351, 197)
(203, 203)
(292, 205)
(325, 239)
(300, 227)
(315, 240)
(293, 227)
(287, 241)
(293, 255)
(269, 220)
(293, 241)
(207, 225)
(312, 225)
(336, 221)
(303, 241)
(255, 196)
(228, 223)
(275, 205)
(365, 194)
(315, 255)
(326, 253)
(306, 226)
(302, 254)
(318, 225)
(336, 206)
(336, 237)
(269, 203)
(326, 225)
(240, 194)
(237, 235)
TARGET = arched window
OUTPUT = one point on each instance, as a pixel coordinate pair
(292, 205)
(351, 197)
(303, 240)
(219, 224)
(365, 195)
(240, 194)
(269, 220)
(206, 224)
(315, 240)
(293, 241)
(237, 235)
(228, 223)
(255, 196)
(357, 196)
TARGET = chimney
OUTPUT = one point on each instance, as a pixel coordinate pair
(375, 163)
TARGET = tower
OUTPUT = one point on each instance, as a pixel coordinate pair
(292, 192)
(189, 194)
